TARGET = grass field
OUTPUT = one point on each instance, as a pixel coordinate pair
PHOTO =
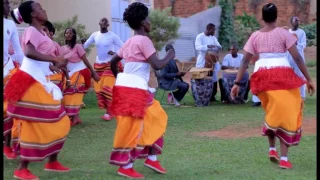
(186, 155)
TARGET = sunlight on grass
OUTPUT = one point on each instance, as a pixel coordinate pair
(185, 155)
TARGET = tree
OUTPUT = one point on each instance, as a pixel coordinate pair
(164, 27)
(73, 22)
(226, 31)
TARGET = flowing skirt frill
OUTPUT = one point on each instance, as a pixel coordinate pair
(103, 88)
(141, 124)
(73, 96)
(277, 87)
(7, 120)
(41, 125)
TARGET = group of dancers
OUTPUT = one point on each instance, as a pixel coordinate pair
(43, 93)
(38, 113)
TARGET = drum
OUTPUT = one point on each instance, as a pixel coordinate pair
(211, 58)
(202, 90)
(229, 71)
(227, 82)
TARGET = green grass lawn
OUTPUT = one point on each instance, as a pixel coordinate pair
(185, 155)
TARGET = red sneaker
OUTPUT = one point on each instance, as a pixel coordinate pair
(130, 173)
(285, 164)
(273, 156)
(24, 174)
(56, 167)
(7, 151)
(155, 165)
(106, 117)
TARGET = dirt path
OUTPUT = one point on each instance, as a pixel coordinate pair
(240, 131)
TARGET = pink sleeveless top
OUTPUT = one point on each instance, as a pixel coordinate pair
(39, 40)
(73, 55)
(278, 40)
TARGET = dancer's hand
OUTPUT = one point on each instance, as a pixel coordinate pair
(171, 54)
(62, 64)
(311, 88)
(55, 69)
(234, 91)
(95, 77)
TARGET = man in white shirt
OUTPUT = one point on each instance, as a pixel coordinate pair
(107, 43)
(301, 45)
(206, 41)
(232, 61)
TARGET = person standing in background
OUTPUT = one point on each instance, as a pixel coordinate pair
(206, 41)
(106, 42)
(301, 45)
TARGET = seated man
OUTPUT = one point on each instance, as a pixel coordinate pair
(171, 80)
(232, 61)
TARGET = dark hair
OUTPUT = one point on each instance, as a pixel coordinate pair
(168, 47)
(25, 10)
(235, 45)
(135, 14)
(50, 27)
(73, 41)
(269, 13)
(210, 26)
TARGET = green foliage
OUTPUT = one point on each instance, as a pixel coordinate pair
(163, 27)
(245, 25)
(226, 31)
(73, 22)
(311, 63)
(311, 33)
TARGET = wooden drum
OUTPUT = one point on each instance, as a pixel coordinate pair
(211, 59)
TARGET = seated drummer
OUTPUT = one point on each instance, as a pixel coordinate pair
(231, 61)
(171, 79)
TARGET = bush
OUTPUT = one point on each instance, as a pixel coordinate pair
(163, 27)
(311, 63)
(311, 33)
(73, 22)
(245, 25)
(226, 31)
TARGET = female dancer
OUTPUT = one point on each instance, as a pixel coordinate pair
(10, 35)
(80, 72)
(141, 121)
(57, 78)
(105, 42)
(33, 100)
(276, 84)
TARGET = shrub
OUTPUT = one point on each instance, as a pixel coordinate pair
(311, 33)
(226, 31)
(245, 25)
(73, 22)
(164, 27)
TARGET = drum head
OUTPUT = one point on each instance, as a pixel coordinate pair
(211, 58)
(231, 71)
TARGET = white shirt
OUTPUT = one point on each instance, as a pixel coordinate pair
(104, 42)
(228, 60)
(201, 44)
(10, 33)
(302, 40)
